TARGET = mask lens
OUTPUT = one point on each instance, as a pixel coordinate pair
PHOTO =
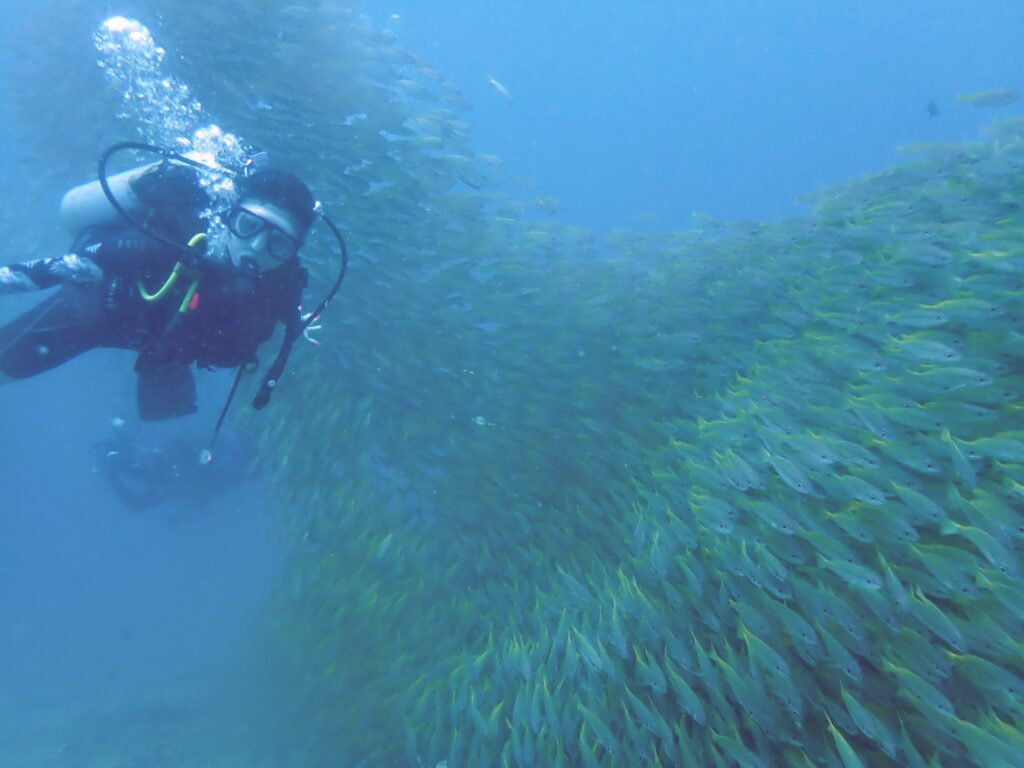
(281, 245)
(245, 224)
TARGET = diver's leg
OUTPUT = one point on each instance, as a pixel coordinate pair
(16, 350)
(51, 333)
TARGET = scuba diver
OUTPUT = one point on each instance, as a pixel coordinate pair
(168, 468)
(130, 282)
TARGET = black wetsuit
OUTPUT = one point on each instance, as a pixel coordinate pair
(229, 318)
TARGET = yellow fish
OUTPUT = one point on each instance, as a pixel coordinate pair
(995, 97)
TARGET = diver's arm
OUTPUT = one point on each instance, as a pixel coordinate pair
(290, 313)
(41, 274)
(292, 322)
(124, 252)
(119, 253)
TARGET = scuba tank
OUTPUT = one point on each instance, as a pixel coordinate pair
(87, 205)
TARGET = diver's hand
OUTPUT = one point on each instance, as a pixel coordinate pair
(15, 281)
(307, 332)
(46, 273)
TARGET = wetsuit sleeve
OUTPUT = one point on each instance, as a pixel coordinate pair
(292, 321)
(124, 253)
(117, 253)
(280, 292)
(291, 313)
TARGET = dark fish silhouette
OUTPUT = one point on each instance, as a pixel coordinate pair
(933, 108)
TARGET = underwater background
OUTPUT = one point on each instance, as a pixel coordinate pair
(670, 412)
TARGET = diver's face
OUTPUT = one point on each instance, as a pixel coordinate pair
(260, 236)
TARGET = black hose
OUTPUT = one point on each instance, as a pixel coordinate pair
(291, 336)
(273, 374)
(190, 252)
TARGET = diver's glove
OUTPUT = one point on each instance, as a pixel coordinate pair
(307, 331)
(41, 274)
(15, 279)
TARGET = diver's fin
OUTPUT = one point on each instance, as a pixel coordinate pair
(166, 391)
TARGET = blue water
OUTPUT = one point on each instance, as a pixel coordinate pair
(633, 115)
(644, 112)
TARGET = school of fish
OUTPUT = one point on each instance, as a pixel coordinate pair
(748, 494)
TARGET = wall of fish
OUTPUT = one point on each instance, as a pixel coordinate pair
(744, 499)
(746, 494)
